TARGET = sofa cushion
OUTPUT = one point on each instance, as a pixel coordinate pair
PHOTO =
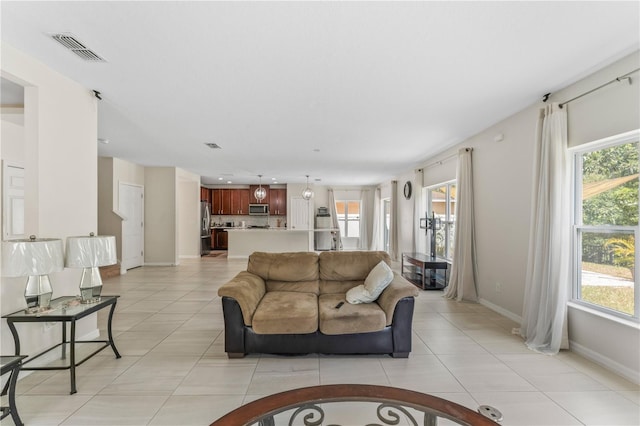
(348, 319)
(338, 287)
(286, 312)
(284, 267)
(312, 286)
(339, 267)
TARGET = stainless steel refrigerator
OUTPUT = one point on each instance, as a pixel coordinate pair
(205, 228)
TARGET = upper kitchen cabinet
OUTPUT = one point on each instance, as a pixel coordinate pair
(252, 191)
(240, 201)
(278, 201)
(205, 194)
(221, 200)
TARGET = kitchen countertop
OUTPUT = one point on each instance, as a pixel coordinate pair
(239, 228)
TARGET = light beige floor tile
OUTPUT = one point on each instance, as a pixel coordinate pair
(128, 384)
(60, 384)
(526, 408)
(598, 408)
(195, 410)
(494, 382)
(47, 409)
(117, 410)
(337, 370)
(217, 380)
(163, 365)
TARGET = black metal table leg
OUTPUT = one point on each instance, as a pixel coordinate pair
(72, 355)
(109, 332)
(13, 379)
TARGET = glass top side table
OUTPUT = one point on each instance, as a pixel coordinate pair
(66, 309)
(11, 364)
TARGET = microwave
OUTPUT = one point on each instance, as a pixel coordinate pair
(259, 209)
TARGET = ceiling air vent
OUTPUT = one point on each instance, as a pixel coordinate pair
(213, 145)
(73, 44)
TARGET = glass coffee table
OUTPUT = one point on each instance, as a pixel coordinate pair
(356, 404)
(66, 309)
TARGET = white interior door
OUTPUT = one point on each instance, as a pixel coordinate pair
(131, 206)
(299, 217)
(12, 201)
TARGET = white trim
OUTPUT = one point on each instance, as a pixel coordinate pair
(606, 362)
(160, 264)
(501, 311)
(607, 142)
(602, 314)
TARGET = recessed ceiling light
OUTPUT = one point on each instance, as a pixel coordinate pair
(220, 178)
(228, 181)
(273, 178)
(317, 179)
(213, 145)
(316, 150)
(275, 181)
(104, 141)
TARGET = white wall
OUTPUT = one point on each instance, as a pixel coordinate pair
(160, 216)
(503, 180)
(188, 214)
(60, 153)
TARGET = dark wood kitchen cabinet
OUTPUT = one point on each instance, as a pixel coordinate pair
(220, 239)
(205, 194)
(252, 191)
(240, 201)
(278, 201)
(221, 200)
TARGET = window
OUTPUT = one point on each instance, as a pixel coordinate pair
(348, 213)
(441, 200)
(386, 215)
(606, 226)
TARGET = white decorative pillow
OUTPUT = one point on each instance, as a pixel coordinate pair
(377, 280)
(358, 294)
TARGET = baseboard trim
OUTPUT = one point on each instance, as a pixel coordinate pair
(160, 264)
(606, 362)
(501, 311)
(189, 256)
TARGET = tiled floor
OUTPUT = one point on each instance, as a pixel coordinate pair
(168, 327)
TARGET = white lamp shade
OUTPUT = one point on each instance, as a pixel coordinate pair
(91, 251)
(26, 257)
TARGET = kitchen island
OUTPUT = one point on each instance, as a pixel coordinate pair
(244, 241)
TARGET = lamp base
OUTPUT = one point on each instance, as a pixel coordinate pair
(90, 285)
(38, 292)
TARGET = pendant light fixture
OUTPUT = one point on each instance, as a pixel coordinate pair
(307, 194)
(260, 193)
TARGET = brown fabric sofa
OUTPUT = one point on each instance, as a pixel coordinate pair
(285, 303)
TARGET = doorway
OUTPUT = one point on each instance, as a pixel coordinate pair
(131, 206)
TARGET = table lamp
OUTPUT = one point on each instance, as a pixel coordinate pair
(89, 253)
(34, 258)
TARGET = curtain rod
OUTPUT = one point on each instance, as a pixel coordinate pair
(439, 162)
(615, 80)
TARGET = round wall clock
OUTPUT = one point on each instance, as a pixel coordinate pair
(407, 190)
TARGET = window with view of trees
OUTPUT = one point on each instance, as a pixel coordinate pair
(606, 226)
(441, 200)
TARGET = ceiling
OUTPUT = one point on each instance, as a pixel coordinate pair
(351, 93)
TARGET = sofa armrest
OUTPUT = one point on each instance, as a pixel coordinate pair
(247, 289)
(398, 289)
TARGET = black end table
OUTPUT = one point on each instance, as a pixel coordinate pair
(422, 270)
(11, 364)
(66, 309)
